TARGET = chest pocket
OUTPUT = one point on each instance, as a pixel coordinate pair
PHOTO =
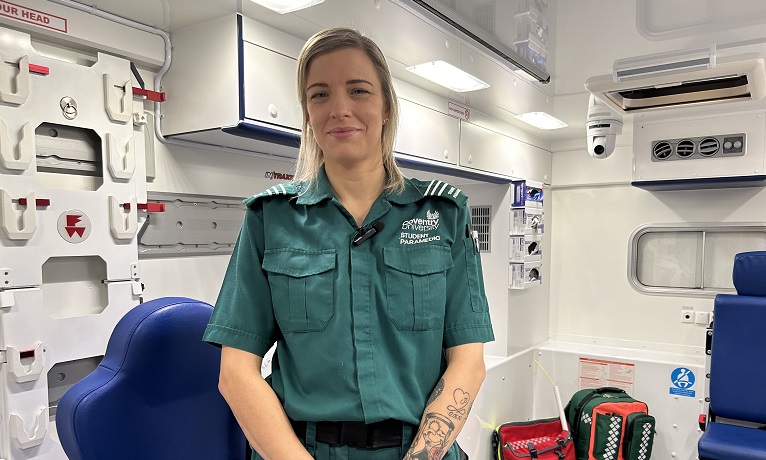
(302, 287)
(416, 286)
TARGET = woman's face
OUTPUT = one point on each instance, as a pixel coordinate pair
(345, 105)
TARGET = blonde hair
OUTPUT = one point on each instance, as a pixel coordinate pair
(310, 156)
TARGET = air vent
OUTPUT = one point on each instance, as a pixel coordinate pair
(484, 16)
(718, 146)
(662, 150)
(481, 218)
(709, 146)
(685, 148)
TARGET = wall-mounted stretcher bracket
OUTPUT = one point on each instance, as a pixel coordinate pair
(17, 157)
(25, 373)
(16, 228)
(123, 225)
(22, 436)
(14, 90)
(118, 107)
(120, 166)
(7, 299)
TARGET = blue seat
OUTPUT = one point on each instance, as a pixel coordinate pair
(737, 371)
(155, 393)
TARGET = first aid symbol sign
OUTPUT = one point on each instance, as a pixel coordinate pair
(74, 226)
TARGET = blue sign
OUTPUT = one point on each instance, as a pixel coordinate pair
(683, 380)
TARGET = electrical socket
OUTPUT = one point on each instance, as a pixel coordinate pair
(687, 316)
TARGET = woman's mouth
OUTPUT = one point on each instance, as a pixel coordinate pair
(341, 133)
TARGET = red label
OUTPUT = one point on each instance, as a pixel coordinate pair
(30, 16)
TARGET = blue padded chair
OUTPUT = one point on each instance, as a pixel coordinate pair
(155, 393)
(738, 367)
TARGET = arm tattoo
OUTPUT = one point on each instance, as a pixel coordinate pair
(436, 393)
(459, 410)
(433, 438)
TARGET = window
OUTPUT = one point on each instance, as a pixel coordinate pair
(690, 260)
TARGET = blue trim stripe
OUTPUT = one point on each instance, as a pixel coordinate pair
(241, 67)
(702, 183)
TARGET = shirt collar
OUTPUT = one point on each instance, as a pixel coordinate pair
(316, 191)
(321, 190)
(410, 194)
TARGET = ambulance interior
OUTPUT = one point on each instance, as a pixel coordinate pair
(138, 127)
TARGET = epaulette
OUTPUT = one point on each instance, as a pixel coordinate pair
(440, 189)
(287, 190)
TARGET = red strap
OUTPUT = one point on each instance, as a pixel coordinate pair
(148, 207)
(155, 96)
(39, 69)
(38, 202)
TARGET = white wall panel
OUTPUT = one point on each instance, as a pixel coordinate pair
(591, 227)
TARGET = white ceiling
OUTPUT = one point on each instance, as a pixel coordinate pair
(405, 39)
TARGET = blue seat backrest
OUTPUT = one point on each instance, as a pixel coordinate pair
(155, 393)
(738, 355)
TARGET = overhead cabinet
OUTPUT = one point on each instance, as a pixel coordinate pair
(426, 133)
(232, 83)
(227, 86)
(487, 150)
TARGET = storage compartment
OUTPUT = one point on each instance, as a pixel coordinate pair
(487, 150)
(226, 87)
(426, 133)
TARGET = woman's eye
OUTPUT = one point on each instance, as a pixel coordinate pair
(359, 91)
(318, 95)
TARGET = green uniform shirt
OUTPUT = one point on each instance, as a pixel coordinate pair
(360, 330)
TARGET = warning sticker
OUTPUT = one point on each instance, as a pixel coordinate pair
(597, 373)
(30, 16)
(683, 380)
(458, 111)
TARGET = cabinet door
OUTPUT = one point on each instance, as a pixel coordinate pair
(269, 96)
(426, 133)
(487, 150)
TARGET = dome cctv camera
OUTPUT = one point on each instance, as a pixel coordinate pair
(601, 129)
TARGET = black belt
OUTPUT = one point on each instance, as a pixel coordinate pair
(387, 433)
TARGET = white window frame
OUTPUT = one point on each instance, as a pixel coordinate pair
(691, 227)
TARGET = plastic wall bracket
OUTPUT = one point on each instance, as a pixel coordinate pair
(123, 226)
(25, 149)
(118, 107)
(7, 299)
(22, 436)
(10, 222)
(18, 370)
(121, 166)
(20, 83)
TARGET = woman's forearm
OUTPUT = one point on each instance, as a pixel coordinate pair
(257, 408)
(447, 409)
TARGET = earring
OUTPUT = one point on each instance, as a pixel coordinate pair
(385, 120)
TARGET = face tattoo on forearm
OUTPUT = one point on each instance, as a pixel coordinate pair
(433, 438)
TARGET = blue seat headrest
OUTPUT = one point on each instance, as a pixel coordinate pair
(749, 273)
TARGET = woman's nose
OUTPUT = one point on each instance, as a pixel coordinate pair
(340, 106)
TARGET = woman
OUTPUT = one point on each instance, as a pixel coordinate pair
(370, 284)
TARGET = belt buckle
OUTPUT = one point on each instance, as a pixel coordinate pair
(354, 434)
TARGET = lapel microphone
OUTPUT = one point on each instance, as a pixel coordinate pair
(364, 235)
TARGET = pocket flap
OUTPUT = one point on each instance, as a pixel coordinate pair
(422, 260)
(298, 262)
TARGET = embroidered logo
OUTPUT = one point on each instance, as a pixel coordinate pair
(417, 230)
